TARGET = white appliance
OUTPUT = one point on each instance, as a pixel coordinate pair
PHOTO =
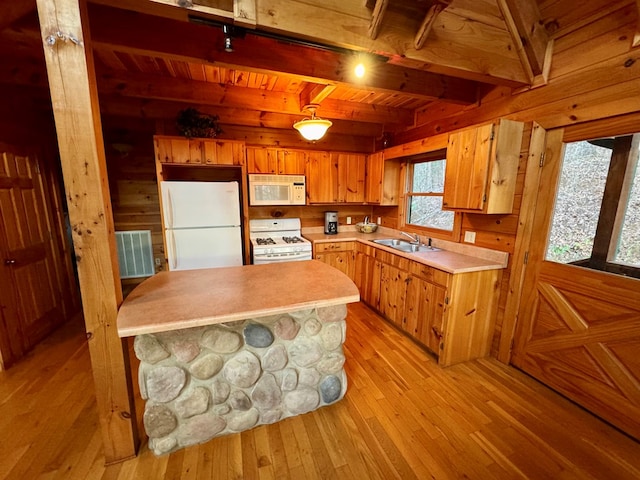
(278, 241)
(277, 189)
(202, 224)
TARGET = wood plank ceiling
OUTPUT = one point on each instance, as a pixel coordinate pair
(154, 57)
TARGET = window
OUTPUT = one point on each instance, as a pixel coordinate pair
(425, 190)
(596, 219)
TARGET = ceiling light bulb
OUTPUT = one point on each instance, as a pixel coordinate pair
(360, 70)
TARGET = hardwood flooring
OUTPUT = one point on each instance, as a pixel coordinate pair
(403, 417)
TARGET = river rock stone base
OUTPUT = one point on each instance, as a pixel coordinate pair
(200, 383)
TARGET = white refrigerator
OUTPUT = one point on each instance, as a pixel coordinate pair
(201, 224)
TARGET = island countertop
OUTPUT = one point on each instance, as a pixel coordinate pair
(194, 298)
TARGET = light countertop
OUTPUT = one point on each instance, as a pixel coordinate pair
(451, 258)
(194, 298)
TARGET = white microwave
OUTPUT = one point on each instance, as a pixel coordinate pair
(276, 190)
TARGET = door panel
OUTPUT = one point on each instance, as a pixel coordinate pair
(579, 329)
(32, 303)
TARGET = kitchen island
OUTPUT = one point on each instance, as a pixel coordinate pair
(224, 350)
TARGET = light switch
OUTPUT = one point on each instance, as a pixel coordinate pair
(348, 220)
(470, 237)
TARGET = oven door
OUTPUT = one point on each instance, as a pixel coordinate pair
(259, 259)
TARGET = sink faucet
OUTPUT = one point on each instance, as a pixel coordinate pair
(366, 219)
(414, 237)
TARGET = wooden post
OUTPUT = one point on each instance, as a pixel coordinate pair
(69, 59)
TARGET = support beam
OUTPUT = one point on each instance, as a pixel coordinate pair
(244, 13)
(75, 104)
(206, 93)
(140, 34)
(529, 35)
(427, 25)
(377, 17)
(314, 93)
(636, 36)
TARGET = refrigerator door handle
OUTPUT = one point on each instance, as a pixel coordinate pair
(173, 256)
(170, 209)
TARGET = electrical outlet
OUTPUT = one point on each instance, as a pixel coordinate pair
(470, 237)
(348, 220)
(379, 220)
(158, 262)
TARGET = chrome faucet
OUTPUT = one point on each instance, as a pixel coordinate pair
(366, 219)
(415, 238)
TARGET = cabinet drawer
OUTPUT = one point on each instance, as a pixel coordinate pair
(334, 247)
(428, 273)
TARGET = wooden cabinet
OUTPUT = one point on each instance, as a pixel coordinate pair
(367, 274)
(382, 180)
(393, 288)
(199, 151)
(339, 255)
(482, 168)
(335, 177)
(450, 314)
(276, 161)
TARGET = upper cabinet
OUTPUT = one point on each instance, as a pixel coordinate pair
(335, 177)
(482, 167)
(199, 151)
(382, 180)
(279, 161)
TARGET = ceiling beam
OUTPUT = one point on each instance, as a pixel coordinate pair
(377, 17)
(525, 24)
(206, 93)
(118, 106)
(136, 33)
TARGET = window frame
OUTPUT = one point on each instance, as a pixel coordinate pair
(408, 194)
(614, 203)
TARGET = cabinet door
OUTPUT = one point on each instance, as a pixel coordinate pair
(223, 152)
(467, 168)
(343, 261)
(321, 174)
(351, 177)
(367, 278)
(292, 162)
(393, 286)
(374, 175)
(262, 160)
(178, 150)
(424, 313)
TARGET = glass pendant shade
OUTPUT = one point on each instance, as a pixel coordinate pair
(312, 128)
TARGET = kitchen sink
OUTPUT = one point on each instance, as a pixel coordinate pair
(404, 245)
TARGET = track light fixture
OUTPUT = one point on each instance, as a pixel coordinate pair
(228, 31)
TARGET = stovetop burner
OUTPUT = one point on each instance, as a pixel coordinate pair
(265, 241)
(292, 240)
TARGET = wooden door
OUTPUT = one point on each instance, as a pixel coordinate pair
(262, 160)
(31, 297)
(374, 176)
(342, 261)
(579, 329)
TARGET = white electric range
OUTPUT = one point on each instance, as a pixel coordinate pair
(278, 240)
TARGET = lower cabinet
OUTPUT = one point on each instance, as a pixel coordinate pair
(339, 255)
(452, 315)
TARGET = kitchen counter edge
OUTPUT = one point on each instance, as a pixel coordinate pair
(445, 260)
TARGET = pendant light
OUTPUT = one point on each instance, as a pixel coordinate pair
(312, 128)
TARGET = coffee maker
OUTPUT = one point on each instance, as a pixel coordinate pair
(330, 223)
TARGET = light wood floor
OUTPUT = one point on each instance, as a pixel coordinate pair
(402, 417)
